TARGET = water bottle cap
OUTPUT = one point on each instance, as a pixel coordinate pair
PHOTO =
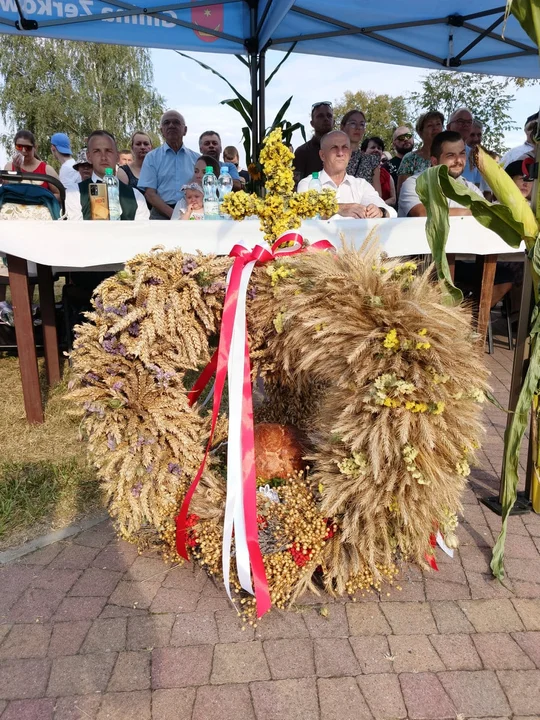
(315, 175)
(225, 169)
(209, 170)
(108, 171)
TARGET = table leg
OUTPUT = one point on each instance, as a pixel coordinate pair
(48, 320)
(452, 265)
(24, 331)
(486, 293)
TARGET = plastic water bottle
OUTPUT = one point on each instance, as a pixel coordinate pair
(113, 195)
(225, 186)
(315, 183)
(211, 199)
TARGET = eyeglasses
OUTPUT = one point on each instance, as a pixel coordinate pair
(405, 136)
(322, 102)
(461, 121)
(356, 124)
(20, 147)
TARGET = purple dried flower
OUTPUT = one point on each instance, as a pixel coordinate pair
(174, 468)
(140, 441)
(118, 385)
(136, 489)
(90, 378)
(251, 293)
(214, 288)
(154, 281)
(149, 468)
(121, 311)
(111, 345)
(188, 266)
(134, 329)
(111, 442)
(93, 408)
(98, 302)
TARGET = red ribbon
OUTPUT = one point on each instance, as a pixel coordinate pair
(218, 364)
(430, 557)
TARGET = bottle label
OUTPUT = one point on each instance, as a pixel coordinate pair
(211, 209)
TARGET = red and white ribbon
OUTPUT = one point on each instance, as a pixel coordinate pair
(232, 359)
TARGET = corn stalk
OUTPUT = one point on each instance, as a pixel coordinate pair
(514, 221)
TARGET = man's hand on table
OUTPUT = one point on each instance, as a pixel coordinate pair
(355, 210)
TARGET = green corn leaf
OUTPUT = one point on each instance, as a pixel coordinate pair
(245, 103)
(527, 13)
(281, 113)
(512, 445)
(278, 66)
(246, 132)
(237, 105)
(434, 200)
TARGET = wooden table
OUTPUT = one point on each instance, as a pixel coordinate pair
(95, 244)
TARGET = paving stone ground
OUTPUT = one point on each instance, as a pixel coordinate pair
(91, 630)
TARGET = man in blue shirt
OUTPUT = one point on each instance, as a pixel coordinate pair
(167, 168)
(210, 144)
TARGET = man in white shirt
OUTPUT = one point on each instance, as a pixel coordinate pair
(61, 150)
(356, 197)
(102, 153)
(447, 149)
(528, 146)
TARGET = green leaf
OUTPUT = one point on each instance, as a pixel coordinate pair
(430, 193)
(235, 104)
(278, 66)
(245, 103)
(512, 445)
(527, 13)
(246, 132)
(281, 113)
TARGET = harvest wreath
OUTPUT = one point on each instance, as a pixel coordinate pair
(365, 427)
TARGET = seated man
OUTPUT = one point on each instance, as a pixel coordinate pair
(448, 148)
(102, 153)
(356, 197)
(168, 167)
(210, 144)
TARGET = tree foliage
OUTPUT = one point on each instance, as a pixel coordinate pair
(383, 112)
(49, 86)
(487, 97)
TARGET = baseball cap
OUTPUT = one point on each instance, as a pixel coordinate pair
(61, 143)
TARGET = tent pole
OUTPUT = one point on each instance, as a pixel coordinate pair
(262, 95)
(252, 45)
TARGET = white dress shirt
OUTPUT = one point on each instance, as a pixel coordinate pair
(516, 153)
(350, 190)
(74, 209)
(69, 177)
(408, 197)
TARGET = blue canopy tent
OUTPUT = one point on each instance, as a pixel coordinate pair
(444, 34)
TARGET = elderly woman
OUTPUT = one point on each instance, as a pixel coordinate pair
(361, 165)
(25, 159)
(427, 126)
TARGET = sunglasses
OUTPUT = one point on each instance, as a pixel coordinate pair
(323, 102)
(405, 136)
(20, 147)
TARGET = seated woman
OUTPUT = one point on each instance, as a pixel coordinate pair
(427, 126)
(141, 144)
(25, 159)
(375, 146)
(361, 165)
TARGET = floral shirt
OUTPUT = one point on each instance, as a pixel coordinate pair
(362, 165)
(412, 164)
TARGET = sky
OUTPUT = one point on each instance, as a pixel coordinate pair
(197, 93)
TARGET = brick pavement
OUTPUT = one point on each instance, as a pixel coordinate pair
(91, 630)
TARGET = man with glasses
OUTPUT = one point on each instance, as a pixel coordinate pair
(461, 121)
(167, 168)
(402, 142)
(306, 158)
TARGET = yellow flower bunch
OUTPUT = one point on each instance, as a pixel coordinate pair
(391, 341)
(278, 272)
(409, 454)
(282, 209)
(463, 468)
(354, 466)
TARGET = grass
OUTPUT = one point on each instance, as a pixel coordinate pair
(46, 481)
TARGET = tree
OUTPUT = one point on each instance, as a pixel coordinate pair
(384, 113)
(487, 97)
(49, 86)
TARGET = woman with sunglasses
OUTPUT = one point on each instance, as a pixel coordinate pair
(361, 165)
(427, 126)
(25, 159)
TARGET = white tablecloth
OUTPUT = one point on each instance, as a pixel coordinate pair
(66, 245)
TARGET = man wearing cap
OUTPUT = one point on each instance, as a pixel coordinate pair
(83, 165)
(531, 128)
(306, 158)
(61, 150)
